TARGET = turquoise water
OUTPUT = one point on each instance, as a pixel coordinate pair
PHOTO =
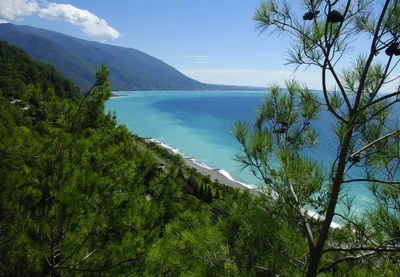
(198, 124)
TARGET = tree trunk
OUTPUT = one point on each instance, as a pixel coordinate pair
(315, 258)
(316, 253)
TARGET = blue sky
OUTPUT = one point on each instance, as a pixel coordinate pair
(213, 41)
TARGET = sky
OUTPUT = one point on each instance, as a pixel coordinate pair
(213, 41)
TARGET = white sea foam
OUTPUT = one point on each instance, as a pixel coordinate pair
(166, 146)
(223, 172)
(310, 213)
(227, 175)
(203, 165)
(152, 140)
(172, 149)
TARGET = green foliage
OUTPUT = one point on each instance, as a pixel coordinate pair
(281, 129)
(366, 132)
(82, 196)
(18, 70)
(191, 246)
(74, 197)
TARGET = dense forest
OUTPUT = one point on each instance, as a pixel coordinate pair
(83, 196)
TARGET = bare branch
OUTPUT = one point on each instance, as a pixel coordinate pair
(309, 233)
(387, 96)
(371, 181)
(374, 142)
(345, 259)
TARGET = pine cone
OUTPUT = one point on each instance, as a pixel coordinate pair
(392, 49)
(355, 158)
(335, 17)
(308, 16)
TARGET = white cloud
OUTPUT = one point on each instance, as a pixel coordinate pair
(3, 21)
(90, 24)
(14, 9)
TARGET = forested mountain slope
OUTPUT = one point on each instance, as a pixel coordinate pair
(75, 58)
(81, 195)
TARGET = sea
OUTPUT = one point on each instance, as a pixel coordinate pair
(198, 125)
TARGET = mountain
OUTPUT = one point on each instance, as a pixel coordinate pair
(18, 70)
(76, 59)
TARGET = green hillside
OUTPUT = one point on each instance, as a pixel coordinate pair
(82, 196)
(76, 58)
(17, 71)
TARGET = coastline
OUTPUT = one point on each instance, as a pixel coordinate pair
(215, 174)
(224, 177)
(220, 175)
(117, 96)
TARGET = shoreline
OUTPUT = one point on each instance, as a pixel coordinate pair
(196, 90)
(117, 96)
(224, 177)
(220, 175)
(215, 174)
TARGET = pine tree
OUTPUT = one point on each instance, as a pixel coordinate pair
(366, 134)
(196, 190)
(180, 174)
(209, 196)
(217, 194)
(201, 193)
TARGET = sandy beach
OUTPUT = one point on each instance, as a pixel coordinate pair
(224, 178)
(215, 174)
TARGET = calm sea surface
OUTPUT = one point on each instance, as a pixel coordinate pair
(198, 125)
